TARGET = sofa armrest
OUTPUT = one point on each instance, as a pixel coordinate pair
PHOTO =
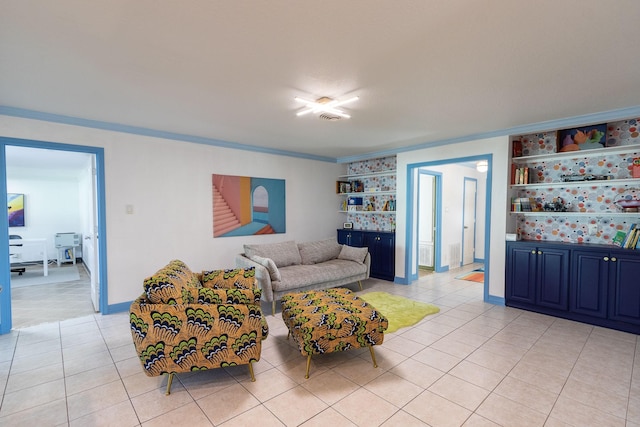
(367, 262)
(262, 275)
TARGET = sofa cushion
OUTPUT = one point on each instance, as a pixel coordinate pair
(319, 251)
(298, 276)
(283, 254)
(238, 278)
(175, 283)
(268, 263)
(353, 254)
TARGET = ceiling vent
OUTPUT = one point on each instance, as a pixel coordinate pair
(329, 117)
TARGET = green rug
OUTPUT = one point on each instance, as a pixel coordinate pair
(400, 311)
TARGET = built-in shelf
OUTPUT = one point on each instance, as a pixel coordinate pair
(588, 214)
(369, 212)
(368, 175)
(594, 183)
(578, 154)
(370, 193)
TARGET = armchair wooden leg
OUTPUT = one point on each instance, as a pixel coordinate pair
(253, 378)
(169, 381)
(360, 283)
(308, 366)
(273, 307)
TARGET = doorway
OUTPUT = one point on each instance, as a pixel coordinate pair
(48, 190)
(454, 245)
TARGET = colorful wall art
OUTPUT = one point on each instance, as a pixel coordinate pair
(16, 209)
(245, 206)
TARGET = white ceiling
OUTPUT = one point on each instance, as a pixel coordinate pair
(425, 70)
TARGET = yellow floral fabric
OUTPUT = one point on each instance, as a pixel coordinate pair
(196, 327)
(325, 321)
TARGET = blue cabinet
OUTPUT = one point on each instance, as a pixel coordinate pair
(382, 249)
(538, 275)
(596, 284)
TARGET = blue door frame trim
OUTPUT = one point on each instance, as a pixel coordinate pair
(411, 200)
(5, 274)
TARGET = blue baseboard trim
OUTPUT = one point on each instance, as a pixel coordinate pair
(117, 308)
(481, 260)
(401, 281)
(494, 300)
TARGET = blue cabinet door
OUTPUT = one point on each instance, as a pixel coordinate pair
(552, 278)
(521, 273)
(382, 248)
(350, 238)
(624, 294)
(589, 282)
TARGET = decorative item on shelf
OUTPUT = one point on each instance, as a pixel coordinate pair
(635, 168)
(343, 187)
(585, 138)
(343, 205)
(357, 186)
(392, 204)
(517, 148)
(585, 177)
(355, 204)
(628, 203)
(370, 204)
(557, 205)
(519, 175)
(385, 207)
(347, 225)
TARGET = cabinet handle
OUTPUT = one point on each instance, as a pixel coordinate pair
(613, 259)
(606, 258)
(539, 252)
(533, 251)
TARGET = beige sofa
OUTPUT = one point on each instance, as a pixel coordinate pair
(291, 267)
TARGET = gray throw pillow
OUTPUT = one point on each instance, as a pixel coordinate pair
(319, 251)
(283, 254)
(353, 254)
(268, 263)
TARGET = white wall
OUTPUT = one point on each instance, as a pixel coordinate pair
(168, 183)
(499, 148)
(51, 206)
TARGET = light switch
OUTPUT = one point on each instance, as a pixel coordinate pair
(129, 209)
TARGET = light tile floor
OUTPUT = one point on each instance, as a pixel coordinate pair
(473, 364)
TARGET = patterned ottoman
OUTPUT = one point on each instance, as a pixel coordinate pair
(331, 320)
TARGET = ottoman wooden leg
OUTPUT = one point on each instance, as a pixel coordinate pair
(308, 366)
(373, 356)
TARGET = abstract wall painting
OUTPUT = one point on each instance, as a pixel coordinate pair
(246, 206)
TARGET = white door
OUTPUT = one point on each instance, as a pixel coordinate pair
(91, 240)
(469, 221)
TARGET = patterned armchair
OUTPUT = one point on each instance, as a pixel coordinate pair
(185, 321)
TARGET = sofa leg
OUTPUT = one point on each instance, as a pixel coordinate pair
(273, 307)
(253, 378)
(373, 356)
(169, 381)
(360, 283)
(308, 366)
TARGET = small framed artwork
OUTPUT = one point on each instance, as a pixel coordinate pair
(584, 138)
(347, 225)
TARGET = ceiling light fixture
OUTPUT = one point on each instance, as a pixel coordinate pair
(326, 106)
(482, 166)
